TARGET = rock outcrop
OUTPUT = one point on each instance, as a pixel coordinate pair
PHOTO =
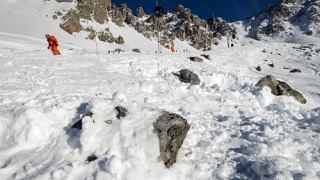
(178, 23)
(279, 88)
(171, 129)
(281, 19)
(187, 76)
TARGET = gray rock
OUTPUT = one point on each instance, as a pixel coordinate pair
(188, 76)
(258, 68)
(206, 56)
(271, 65)
(122, 112)
(279, 88)
(136, 50)
(91, 158)
(118, 50)
(295, 70)
(171, 130)
(196, 59)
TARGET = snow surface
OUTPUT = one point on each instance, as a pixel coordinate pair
(238, 131)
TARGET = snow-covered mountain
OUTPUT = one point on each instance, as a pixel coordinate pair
(237, 130)
(287, 21)
(293, 21)
(178, 23)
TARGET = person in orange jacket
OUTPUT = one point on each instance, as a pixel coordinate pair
(173, 49)
(52, 44)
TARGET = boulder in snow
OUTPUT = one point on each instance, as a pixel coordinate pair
(171, 130)
(188, 76)
(136, 50)
(196, 59)
(295, 70)
(91, 158)
(206, 56)
(279, 88)
(122, 112)
(258, 68)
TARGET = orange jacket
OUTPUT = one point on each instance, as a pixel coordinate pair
(52, 41)
(173, 49)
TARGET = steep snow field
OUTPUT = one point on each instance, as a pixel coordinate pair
(238, 131)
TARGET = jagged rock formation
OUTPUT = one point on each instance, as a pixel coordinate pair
(140, 12)
(179, 23)
(71, 22)
(184, 25)
(105, 36)
(284, 19)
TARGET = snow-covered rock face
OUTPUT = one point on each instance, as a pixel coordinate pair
(286, 20)
(178, 23)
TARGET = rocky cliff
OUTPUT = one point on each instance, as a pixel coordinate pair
(285, 19)
(282, 21)
(177, 23)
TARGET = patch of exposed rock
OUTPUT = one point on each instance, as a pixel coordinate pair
(71, 22)
(187, 76)
(140, 12)
(196, 59)
(179, 23)
(280, 20)
(171, 129)
(279, 88)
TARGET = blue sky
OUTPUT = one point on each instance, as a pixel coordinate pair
(230, 10)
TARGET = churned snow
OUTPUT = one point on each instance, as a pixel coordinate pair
(237, 130)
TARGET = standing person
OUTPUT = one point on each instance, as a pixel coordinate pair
(52, 44)
(173, 49)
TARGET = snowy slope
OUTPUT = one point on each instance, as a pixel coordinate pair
(287, 21)
(31, 19)
(237, 131)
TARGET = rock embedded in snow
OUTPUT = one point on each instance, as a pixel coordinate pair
(295, 70)
(172, 130)
(258, 68)
(136, 50)
(279, 88)
(91, 158)
(196, 59)
(122, 112)
(78, 124)
(187, 76)
(271, 65)
(206, 56)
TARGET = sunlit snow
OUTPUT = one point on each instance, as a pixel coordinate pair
(237, 131)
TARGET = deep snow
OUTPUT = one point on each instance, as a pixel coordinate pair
(238, 131)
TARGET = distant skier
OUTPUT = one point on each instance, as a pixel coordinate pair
(52, 44)
(173, 49)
